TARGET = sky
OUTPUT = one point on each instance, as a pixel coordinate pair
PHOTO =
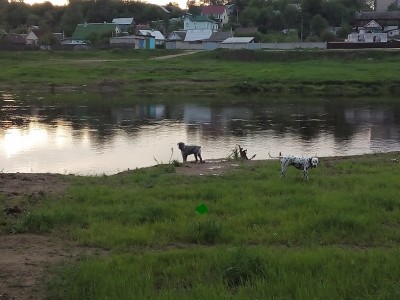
(182, 3)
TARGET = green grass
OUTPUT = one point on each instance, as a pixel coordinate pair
(312, 72)
(335, 236)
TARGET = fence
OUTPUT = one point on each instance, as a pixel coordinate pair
(344, 45)
(249, 46)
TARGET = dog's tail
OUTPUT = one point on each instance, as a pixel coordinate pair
(278, 157)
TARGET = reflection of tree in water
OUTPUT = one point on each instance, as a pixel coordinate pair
(396, 113)
(336, 122)
(307, 121)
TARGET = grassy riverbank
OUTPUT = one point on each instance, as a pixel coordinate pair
(308, 72)
(336, 236)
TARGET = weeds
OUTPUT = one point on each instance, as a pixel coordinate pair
(243, 268)
(333, 237)
(205, 231)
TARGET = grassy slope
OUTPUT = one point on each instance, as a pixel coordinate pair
(334, 237)
(281, 72)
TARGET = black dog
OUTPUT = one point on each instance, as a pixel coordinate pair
(188, 150)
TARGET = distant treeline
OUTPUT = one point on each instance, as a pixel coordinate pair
(310, 18)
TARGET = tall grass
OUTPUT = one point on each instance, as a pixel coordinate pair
(333, 237)
(234, 273)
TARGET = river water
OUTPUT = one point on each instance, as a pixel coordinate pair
(107, 138)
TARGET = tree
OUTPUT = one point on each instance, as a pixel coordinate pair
(311, 7)
(193, 8)
(16, 14)
(72, 16)
(249, 16)
(102, 11)
(318, 24)
(327, 36)
(291, 16)
(333, 11)
(344, 31)
(48, 39)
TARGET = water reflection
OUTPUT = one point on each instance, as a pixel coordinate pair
(108, 138)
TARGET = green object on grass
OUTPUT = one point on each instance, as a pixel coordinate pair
(202, 209)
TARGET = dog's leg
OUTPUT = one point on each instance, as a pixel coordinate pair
(201, 159)
(184, 157)
(284, 169)
(305, 174)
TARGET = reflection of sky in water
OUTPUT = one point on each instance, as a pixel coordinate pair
(83, 140)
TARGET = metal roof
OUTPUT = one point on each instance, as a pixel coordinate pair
(123, 21)
(157, 34)
(197, 35)
(238, 40)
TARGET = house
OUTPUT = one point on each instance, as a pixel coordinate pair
(198, 35)
(237, 42)
(245, 31)
(216, 12)
(215, 39)
(33, 35)
(84, 33)
(159, 37)
(388, 22)
(134, 41)
(387, 18)
(125, 24)
(14, 39)
(371, 32)
(60, 36)
(392, 31)
(178, 35)
(142, 27)
(199, 22)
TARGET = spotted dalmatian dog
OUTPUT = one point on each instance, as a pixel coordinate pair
(301, 163)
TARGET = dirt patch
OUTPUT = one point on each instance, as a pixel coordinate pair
(214, 167)
(25, 258)
(16, 186)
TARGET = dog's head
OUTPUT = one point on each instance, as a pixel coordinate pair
(314, 162)
(181, 145)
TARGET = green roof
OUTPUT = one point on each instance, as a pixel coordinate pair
(201, 19)
(82, 31)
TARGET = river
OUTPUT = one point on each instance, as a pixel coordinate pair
(88, 139)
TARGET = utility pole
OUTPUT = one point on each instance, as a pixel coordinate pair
(301, 29)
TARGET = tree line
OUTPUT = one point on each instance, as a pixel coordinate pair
(309, 19)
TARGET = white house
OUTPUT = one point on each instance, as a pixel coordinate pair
(199, 22)
(371, 32)
(217, 12)
(392, 31)
(33, 35)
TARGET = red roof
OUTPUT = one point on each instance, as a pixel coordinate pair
(213, 10)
